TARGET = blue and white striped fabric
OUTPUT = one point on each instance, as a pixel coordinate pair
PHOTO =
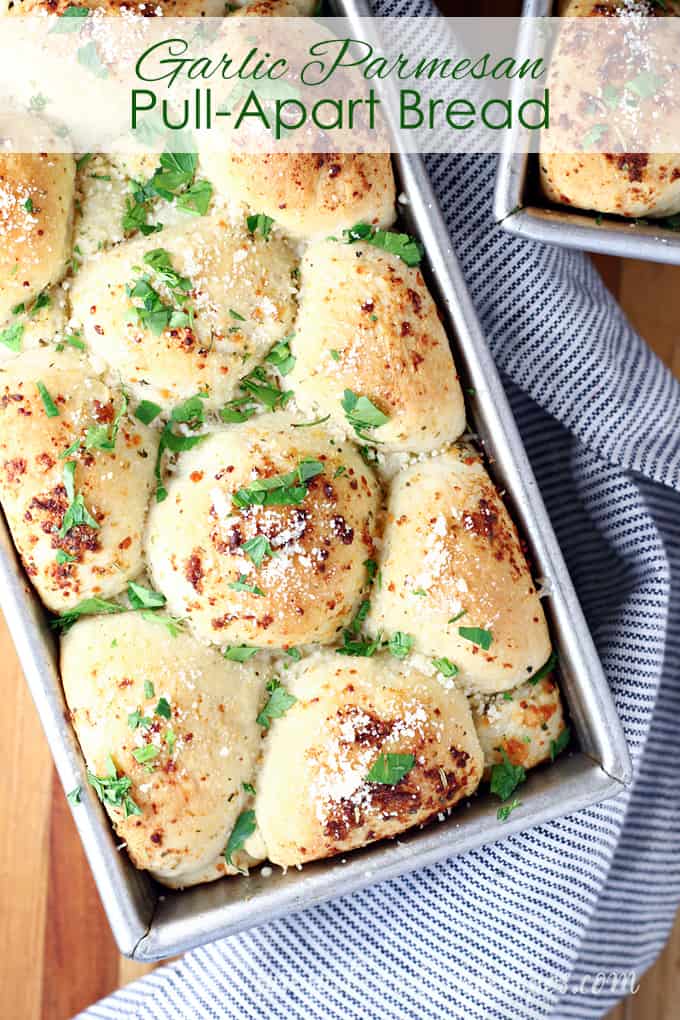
(520, 930)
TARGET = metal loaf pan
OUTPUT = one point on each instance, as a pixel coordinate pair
(522, 209)
(149, 922)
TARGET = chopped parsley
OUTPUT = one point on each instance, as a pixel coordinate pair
(400, 644)
(69, 21)
(136, 719)
(147, 411)
(170, 740)
(114, 789)
(280, 356)
(172, 181)
(390, 769)
(43, 300)
(294, 653)
(559, 745)
(506, 777)
(244, 827)
(477, 636)
(545, 670)
(505, 810)
(171, 623)
(153, 313)
(74, 796)
(261, 222)
(28, 205)
(98, 437)
(405, 247)
(259, 392)
(288, 489)
(149, 689)
(88, 607)
(257, 548)
(163, 708)
(242, 585)
(76, 513)
(190, 411)
(445, 667)
(51, 409)
(362, 414)
(458, 616)
(248, 788)
(240, 653)
(12, 336)
(63, 557)
(145, 754)
(278, 703)
(310, 424)
(196, 199)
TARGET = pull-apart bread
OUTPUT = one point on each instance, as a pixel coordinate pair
(630, 184)
(295, 615)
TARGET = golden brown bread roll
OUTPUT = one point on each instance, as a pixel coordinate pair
(36, 206)
(134, 692)
(310, 195)
(631, 184)
(368, 324)
(522, 722)
(110, 488)
(226, 297)
(113, 8)
(316, 791)
(273, 575)
(454, 575)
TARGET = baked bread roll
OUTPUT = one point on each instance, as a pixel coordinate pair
(134, 693)
(314, 795)
(523, 722)
(455, 578)
(226, 297)
(274, 575)
(630, 184)
(113, 8)
(36, 207)
(49, 403)
(310, 195)
(368, 324)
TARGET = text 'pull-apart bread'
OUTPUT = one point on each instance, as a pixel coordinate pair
(264, 533)
(368, 326)
(370, 748)
(178, 725)
(454, 576)
(187, 310)
(309, 194)
(76, 473)
(36, 210)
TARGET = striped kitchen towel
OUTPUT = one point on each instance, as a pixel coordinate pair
(535, 926)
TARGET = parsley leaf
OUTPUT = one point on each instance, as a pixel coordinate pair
(559, 745)
(113, 789)
(261, 222)
(248, 788)
(76, 513)
(506, 777)
(145, 754)
(51, 409)
(144, 598)
(98, 437)
(88, 607)
(171, 623)
(545, 670)
(257, 548)
(405, 247)
(11, 336)
(477, 636)
(70, 20)
(149, 689)
(163, 708)
(243, 585)
(280, 356)
(74, 796)
(445, 667)
(147, 411)
(362, 413)
(196, 199)
(240, 653)
(245, 826)
(278, 703)
(390, 769)
(289, 489)
(400, 644)
(505, 810)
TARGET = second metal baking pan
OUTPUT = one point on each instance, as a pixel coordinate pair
(150, 922)
(521, 208)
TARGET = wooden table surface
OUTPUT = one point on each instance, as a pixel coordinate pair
(58, 955)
